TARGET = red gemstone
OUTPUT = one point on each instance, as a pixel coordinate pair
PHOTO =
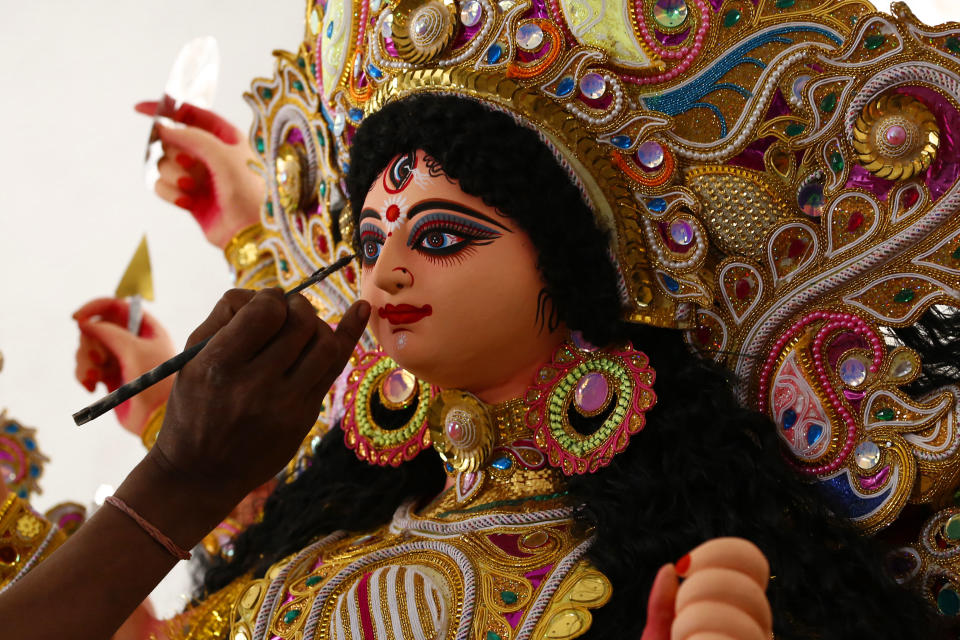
(299, 223)
(350, 274)
(797, 248)
(393, 212)
(322, 245)
(8, 555)
(855, 221)
(742, 288)
(910, 198)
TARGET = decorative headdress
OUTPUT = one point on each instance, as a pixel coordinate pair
(779, 179)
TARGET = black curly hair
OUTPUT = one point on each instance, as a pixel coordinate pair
(703, 467)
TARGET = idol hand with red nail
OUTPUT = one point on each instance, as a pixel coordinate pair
(110, 354)
(715, 592)
(205, 169)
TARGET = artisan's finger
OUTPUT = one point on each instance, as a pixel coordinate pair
(195, 116)
(728, 553)
(660, 604)
(252, 327)
(227, 307)
(300, 326)
(726, 586)
(352, 324)
(715, 617)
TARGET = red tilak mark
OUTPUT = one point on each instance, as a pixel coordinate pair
(393, 212)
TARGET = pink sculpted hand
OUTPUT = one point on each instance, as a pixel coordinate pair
(722, 596)
(110, 354)
(204, 169)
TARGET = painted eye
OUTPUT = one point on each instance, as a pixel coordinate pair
(440, 240)
(371, 250)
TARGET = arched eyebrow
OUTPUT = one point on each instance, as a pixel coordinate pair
(448, 205)
(368, 213)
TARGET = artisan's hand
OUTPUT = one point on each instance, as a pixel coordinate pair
(722, 596)
(110, 354)
(205, 170)
(240, 409)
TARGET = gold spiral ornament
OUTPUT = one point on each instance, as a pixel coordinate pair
(422, 30)
(896, 137)
(461, 430)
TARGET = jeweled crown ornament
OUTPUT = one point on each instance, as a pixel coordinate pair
(778, 177)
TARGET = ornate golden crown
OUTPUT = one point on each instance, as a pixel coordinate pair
(779, 177)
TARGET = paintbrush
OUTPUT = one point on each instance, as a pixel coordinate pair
(177, 362)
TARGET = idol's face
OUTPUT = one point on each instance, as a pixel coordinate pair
(456, 294)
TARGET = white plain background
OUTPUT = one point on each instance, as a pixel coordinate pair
(73, 206)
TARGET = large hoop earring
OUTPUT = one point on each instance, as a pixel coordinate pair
(585, 405)
(386, 411)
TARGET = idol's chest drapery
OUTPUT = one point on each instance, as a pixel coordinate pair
(490, 575)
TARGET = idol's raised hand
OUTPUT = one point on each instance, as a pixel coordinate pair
(721, 595)
(205, 170)
(110, 354)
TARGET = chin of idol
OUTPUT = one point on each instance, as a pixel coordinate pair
(457, 298)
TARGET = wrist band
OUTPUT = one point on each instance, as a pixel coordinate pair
(152, 427)
(155, 533)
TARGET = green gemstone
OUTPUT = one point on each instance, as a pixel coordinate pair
(956, 254)
(829, 103)
(267, 94)
(951, 528)
(948, 601)
(323, 142)
(291, 615)
(785, 4)
(836, 162)
(508, 597)
(904, 295)
(493, 635)
(301, 63)
(874, 42)
(259, 144)
(313, 68)
(731, 17)
(884, 414)
(323, 188)
(312, 580)
(298, 85)
(284, 266)
(794, 129)
(953, 43)
(270, 209)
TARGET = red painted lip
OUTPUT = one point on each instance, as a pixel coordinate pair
(404, 313)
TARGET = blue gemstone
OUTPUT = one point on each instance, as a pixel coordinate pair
(22, 493)
(657, 205)
(814, 433)
(330, 29)
(34, 470)
(494, 53)
(13, 427)
(623, 142)
(672, 285)
(789, 419)
(374, 72)
(565, 87)
(29, 444)
(356, 114)
(449, 468)
(503, 463)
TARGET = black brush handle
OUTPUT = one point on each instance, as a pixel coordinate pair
(177, 362)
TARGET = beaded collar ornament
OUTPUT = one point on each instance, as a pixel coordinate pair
(779, 178)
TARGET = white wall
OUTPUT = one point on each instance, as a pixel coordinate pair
(73, 205)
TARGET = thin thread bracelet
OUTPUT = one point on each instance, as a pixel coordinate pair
(155, 533)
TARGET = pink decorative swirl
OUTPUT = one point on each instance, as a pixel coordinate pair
(686, 54)
(834, 322)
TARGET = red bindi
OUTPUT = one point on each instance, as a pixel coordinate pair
(393, 212)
